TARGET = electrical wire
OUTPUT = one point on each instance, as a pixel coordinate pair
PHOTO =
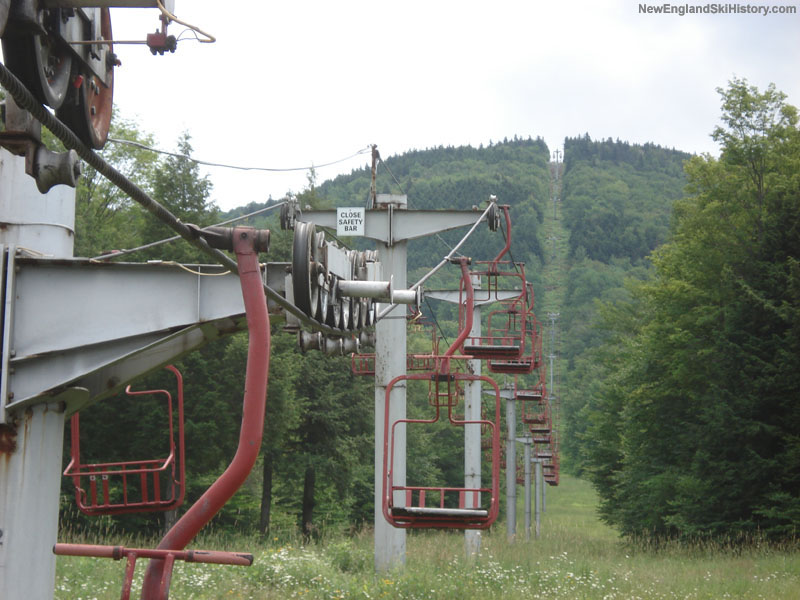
(238, 167)
(439, 327)
(385, 166)
(27, 101)
(448, 246)
(172, 263)
(210, 39)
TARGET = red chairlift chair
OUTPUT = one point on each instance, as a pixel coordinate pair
(246, 242)
(535, 408)
(456, 507)
(541, 429)
(529, 359)
(541, 438)
(113, 488)
(551, 470)
(548, 452)
(506, 332)
(503, 341)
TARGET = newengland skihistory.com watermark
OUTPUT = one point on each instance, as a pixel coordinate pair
(721, 8)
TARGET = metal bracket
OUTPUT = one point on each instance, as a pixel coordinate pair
(23, 137)
(7, 303)
(290, 213)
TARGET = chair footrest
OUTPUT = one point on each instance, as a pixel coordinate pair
(424, 511)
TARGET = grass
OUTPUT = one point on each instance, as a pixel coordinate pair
(576, 556)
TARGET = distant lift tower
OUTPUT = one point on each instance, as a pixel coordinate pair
(392, 225)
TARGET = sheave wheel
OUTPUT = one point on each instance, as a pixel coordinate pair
(345, 304)
(324, 286)
(334, 318)
(304, 276)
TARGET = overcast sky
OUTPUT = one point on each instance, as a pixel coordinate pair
(289, 84)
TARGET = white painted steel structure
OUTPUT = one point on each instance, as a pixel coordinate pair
(392, 225)
(30, 460)
(74, 332)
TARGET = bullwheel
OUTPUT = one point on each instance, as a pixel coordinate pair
(39, 60)
(88, 107)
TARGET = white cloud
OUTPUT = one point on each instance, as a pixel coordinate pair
(294, 82)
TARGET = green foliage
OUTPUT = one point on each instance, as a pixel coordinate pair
(617, 201)
(105, 218)
(576, 556)
(178, 186)
(696, 434)
(617, 198)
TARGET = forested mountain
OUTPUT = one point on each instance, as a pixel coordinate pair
(617, 201)
(618, 198)
(679, 300)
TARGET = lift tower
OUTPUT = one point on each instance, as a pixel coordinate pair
(392, 225)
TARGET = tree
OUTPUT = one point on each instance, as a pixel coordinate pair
(757, 128)
(105, 218)
(705, 414)
(178, 186)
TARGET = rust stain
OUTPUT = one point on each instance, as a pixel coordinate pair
(8, 439)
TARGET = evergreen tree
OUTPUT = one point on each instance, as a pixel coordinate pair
(179, 187)
(706, 417)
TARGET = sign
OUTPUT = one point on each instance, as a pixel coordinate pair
(350, 221)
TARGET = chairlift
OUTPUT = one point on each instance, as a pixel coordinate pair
(506, 325)
(504, 339)
(112, 488)
(530, 353)
(410, 506)
(535, 411)
(246, 242)
(548, 452)
(442, 506)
